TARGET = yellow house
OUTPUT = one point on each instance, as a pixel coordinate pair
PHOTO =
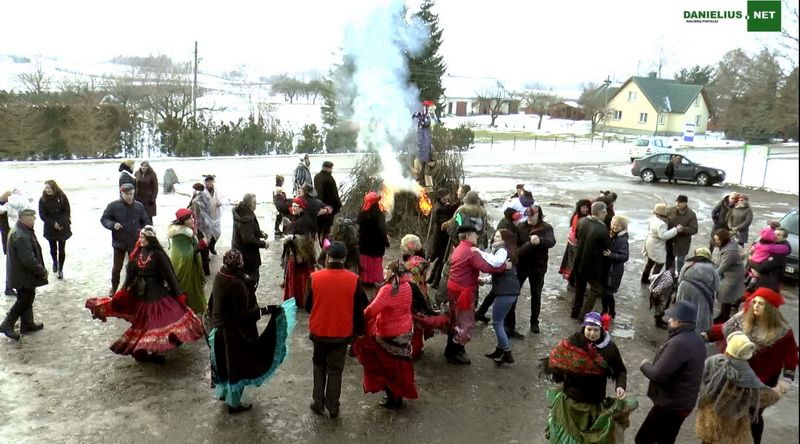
(652, 106)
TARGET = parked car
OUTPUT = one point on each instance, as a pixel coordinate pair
(790, 222)
(651, 169)
(646, 146)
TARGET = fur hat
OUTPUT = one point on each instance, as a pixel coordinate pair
(660, 209)
(739, 346)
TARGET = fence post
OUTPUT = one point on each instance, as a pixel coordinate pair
(744, 156)
(766, 167)
(534, 142)
(514, 147)
(591, 141)
(574, 140)
(491, 144)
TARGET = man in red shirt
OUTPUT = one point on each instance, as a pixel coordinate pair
(336, 303)
(462, 288)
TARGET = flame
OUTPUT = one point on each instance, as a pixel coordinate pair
(387, 201)
(425, 204)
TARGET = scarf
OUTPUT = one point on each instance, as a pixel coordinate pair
(736, 323)
(370, 200)
(577, 357)
(730, 387)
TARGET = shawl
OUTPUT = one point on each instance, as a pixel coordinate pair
(731, 388)
(572, 358)
(736, 323)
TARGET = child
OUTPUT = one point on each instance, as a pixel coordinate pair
(281, 205)
(767, 245)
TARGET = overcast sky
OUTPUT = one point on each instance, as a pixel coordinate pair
(559, 42)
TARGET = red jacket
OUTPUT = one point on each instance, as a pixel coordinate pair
(466, 265)
(392, 312)
(767, 362)
(335, 303)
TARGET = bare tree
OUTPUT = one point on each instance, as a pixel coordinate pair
(539, 102)
(790, 34)
(492, 100)
(35, 82)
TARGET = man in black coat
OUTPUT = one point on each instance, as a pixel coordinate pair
(316, 207)
(675, 375)
(536, 239)
(590, 267)
(24, 272)
(248, 237)
(124, 217)
(328, 193)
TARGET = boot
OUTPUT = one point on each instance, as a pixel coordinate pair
(55, 266)
(459, 359)
(7, 328)
(27, 325)
(60, 273)
(507, 358)
(481, 317)
(10, 292)
(498, 352)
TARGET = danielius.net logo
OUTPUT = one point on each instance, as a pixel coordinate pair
(761, 15)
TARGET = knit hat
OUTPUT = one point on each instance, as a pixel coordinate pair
(337, 251)
(660, 209)
(126, 187)
(770, 296)
(683, 311)
(182, 214)
(767, 234)
(592, 319)
(300, 202)
(739, 346)
(702, 252)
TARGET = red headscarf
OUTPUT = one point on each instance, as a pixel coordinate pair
(300, 202)
(370, 200)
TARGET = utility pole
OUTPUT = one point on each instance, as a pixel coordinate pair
(606, 83)
(194, 86)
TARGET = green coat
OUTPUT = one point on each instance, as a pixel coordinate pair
(185, 258)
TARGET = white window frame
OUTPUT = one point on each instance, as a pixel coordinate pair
(662, 118)
(642, 115)
(631, 96)
(617, 115)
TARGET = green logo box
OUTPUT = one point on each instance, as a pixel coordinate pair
(763, 16)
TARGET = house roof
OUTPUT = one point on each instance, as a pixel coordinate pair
(666, 95)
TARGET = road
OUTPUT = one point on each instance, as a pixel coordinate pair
(63, 384)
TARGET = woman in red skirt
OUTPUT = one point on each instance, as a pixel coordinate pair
(372, 240)
(151, 300)
(385, 351)
(299, 252)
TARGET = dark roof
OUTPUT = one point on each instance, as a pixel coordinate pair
(667, 95)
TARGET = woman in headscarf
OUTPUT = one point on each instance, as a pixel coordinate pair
(775, 357)
(582, 208)
(152, 301)
(582, 363)
(372, 239)
(184, 253)
(731, 394)
(299, 252)
(240, 356)
(698, 283)
(385, 351)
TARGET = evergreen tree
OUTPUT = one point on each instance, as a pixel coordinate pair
(427, 68)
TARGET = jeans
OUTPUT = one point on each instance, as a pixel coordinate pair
(119, 260)
(57, 252)
(661, 426)
(328, 360)
(502, 306)
(679, 261)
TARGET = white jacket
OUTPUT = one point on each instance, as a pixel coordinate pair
(655, 246)
(17, 202)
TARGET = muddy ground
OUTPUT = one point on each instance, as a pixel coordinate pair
(63, 384)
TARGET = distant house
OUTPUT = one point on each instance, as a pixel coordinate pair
(469, 96)
(566, 109)
(649, 105)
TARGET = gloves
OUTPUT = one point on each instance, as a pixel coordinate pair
(202, 245)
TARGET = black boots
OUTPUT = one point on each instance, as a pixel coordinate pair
(458, 359)
(506, 358)
(55, 266)
(7, 328)
(27, 325)
(498, 352)
(239, 408)
(481, 317)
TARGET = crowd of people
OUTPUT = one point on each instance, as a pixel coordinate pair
(337, 270)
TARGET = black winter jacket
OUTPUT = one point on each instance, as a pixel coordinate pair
(247, 236)
(54, 209)
(593, 239)
(155, 280)
(24, 263)
(533, 258)
(372, 240)
(677, 369)
(619, 255)
(327, 190)
(132, 218)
